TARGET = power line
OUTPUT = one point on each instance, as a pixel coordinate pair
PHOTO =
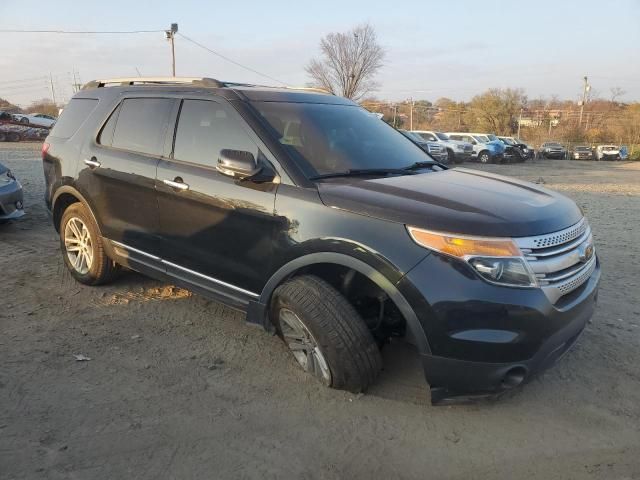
(83, 32)
(230, 60)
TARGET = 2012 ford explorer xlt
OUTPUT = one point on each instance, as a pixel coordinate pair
(338, 236)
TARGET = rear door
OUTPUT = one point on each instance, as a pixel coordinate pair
(120, 170)
(217, 231)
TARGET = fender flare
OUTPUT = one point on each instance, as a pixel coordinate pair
(74, 192)
(259, 310)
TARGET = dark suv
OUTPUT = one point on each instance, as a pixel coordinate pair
(326, 225)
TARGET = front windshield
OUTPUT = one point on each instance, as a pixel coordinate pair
(442, 136)
(582, 149)
(508, 141)
(481, 138)
(492, 137)
(327, 138)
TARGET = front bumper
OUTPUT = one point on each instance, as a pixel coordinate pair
(11, 201)
(485, 339)
(462, 156)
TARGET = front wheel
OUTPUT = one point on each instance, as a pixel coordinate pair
(83, 248)
(325, 334)
(484, 157)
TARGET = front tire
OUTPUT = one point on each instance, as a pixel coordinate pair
(325, 334)
(83, 248)
(484, 157)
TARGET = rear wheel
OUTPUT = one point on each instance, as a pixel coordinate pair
(325, 334)
(82, 247)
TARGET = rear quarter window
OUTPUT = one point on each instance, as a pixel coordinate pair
(73, 116)
(141, 125)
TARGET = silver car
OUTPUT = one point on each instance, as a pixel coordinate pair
(11, 198)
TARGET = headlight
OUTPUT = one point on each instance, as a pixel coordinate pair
(10, 175)
(525, 150)
(496, 260)
(458, 148)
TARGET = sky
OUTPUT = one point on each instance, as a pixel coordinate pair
(454, 49)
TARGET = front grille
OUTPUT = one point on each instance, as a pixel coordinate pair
(561, 261)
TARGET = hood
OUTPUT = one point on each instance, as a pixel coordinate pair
(457, 201)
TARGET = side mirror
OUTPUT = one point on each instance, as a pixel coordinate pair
(237, 164)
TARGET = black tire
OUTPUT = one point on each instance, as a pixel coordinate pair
(102, 269)
(24, 120)
(484, 157)
(3, 137)
(451, 157)
(346, 345)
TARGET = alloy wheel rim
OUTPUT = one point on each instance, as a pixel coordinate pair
(77, 242)
(303, 346)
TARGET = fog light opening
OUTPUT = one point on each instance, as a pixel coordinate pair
(514, 377)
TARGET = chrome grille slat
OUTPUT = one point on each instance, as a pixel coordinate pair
(557, 259)
(561, 249)
(553, 239)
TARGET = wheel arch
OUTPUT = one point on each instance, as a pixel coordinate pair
(65, 196)
(258, 311)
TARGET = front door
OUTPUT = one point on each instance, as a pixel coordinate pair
(217, 231)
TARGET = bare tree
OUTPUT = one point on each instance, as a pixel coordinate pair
(348, 63)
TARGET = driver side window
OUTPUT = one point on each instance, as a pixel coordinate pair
(206, 127)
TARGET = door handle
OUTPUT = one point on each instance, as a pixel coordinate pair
(92, 162)
(175, 184)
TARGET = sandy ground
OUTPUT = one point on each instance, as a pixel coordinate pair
(179, 387)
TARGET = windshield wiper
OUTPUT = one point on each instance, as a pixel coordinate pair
(363, 171)
(419, 165)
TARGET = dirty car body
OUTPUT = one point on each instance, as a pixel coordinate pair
(491, 278)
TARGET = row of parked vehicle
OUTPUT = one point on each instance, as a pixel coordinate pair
(557, 151)
(17, 127)
(457, 147)
(33, 119)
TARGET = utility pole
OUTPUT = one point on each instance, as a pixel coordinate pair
(519, 123)
(171, 36)
(585, 90)
(395, 111)
(53, 91)
(411, 114)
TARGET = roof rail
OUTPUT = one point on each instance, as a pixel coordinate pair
(125, 81)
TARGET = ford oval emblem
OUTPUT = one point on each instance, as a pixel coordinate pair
(585, 251)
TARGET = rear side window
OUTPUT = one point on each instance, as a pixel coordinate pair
(141, 125)
(73, 116)
(204, 129)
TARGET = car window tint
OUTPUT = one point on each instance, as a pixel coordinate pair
(205, 128)
(141, 125)
(73, 116)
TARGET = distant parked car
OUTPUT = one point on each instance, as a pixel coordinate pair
(624, 153)
(511, 154)
(608, 152)
(36, 119)
(484, 150)
(437, 151)
(523, 150)
(457, 150)
(5, 117)
(552, 150)
(582, 152)
(11, 197)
